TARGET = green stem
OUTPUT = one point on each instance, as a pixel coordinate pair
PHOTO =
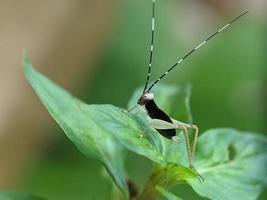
(150, 192)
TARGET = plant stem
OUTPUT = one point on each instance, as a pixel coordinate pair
(161, 176)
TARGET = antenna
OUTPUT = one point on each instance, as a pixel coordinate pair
(193, 50)
(151, 46)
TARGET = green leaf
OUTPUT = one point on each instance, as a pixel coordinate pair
(79, 122)
(166, 194)
(96, 130)
(69, 111)
(17, 196)
(232, 163)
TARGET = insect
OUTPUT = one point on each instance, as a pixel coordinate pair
(158, 119)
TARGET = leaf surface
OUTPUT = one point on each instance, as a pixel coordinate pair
(17, 196)
(166, 194)
(233, 164)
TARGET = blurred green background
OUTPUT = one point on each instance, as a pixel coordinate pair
(228, 78)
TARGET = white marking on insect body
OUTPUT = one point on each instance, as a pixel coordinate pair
(149, 95)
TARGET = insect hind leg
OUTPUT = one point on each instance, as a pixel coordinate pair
(160, 124)
(195, 128)
(191, 153)
(200, 178)
(185, 131)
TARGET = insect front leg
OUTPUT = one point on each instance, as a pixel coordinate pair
(132, 108)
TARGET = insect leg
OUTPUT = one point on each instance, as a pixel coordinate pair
(132, 108)
(187, 146)
(191, 154)
(189, 126)
(160, 124)
(195, 128)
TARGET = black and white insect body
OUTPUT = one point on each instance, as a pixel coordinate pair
(158, 119)
(154, 112)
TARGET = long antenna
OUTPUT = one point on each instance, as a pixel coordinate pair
(151, 46)
(193, 50)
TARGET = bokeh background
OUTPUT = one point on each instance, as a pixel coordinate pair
(98, 50)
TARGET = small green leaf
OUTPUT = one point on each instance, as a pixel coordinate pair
(166, 177)
(17, 196)
(78, 122)
(232, 163)
(166, 194)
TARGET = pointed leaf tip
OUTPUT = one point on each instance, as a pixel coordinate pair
(27, 67)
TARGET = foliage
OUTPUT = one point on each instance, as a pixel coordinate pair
(233, 163)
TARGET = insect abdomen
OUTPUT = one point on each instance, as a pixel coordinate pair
(155, 113)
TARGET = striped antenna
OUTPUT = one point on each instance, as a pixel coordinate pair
(151, 46)
(193, 50)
